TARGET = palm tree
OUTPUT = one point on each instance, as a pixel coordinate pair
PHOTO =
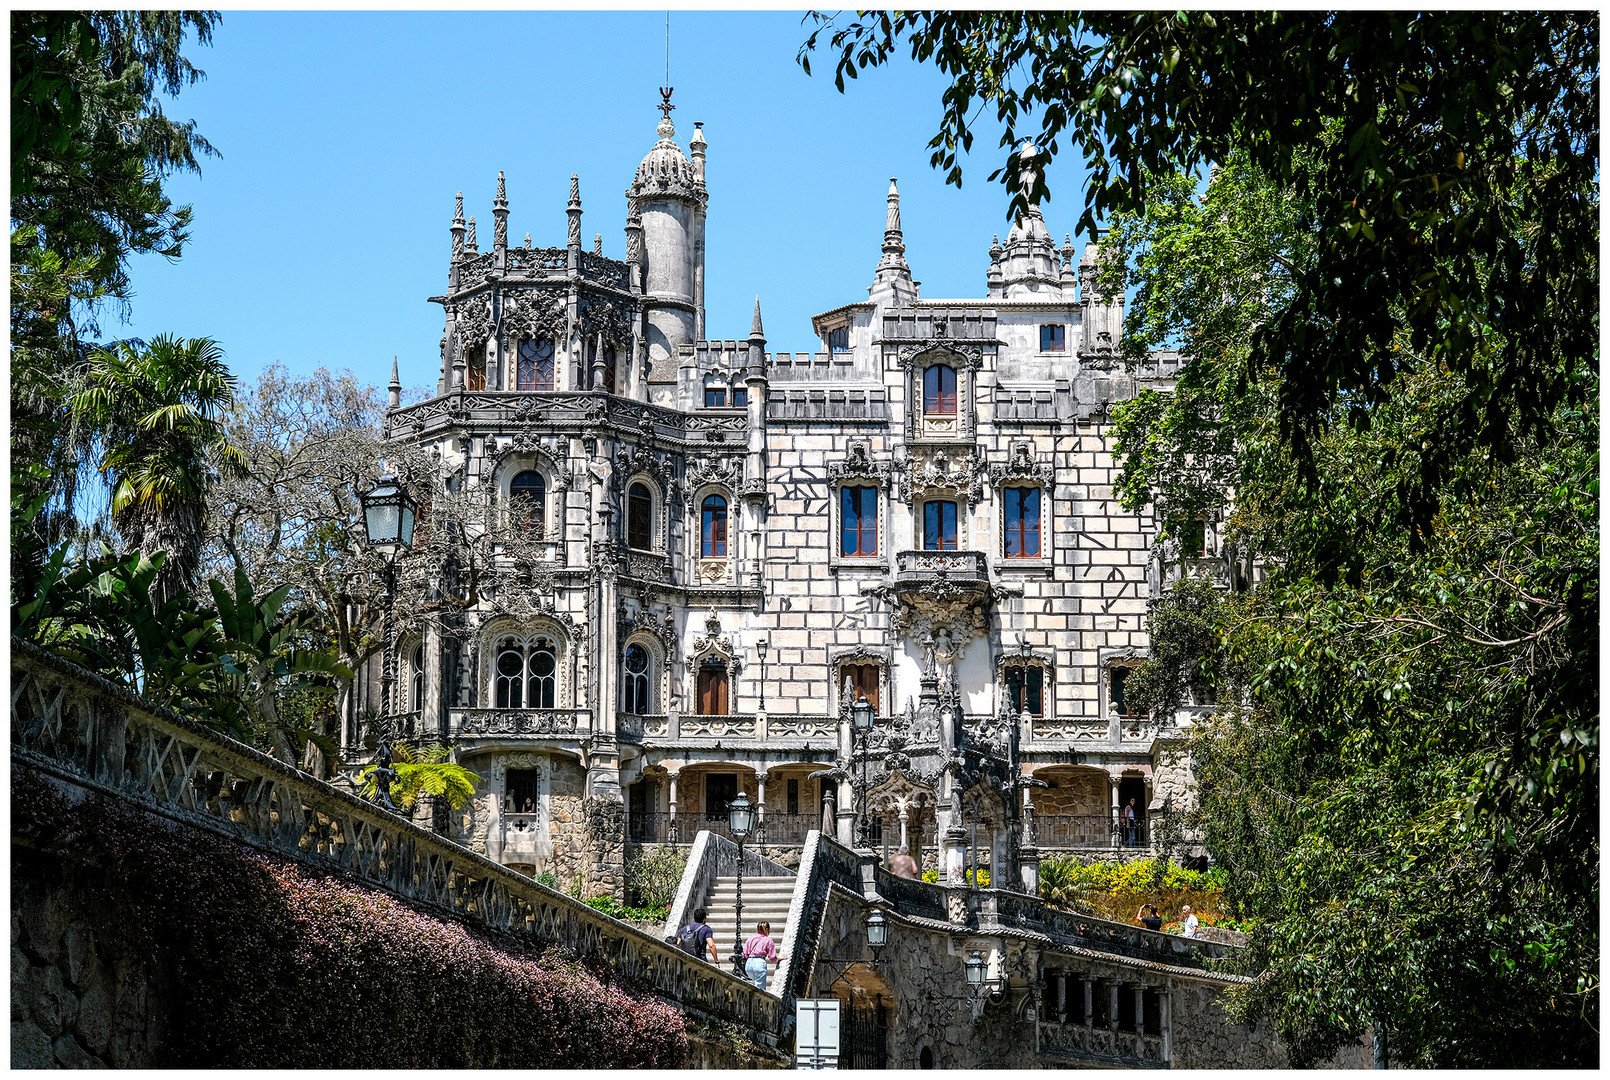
(158, 411)
(425, 770)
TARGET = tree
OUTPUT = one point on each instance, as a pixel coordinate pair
(159, 410)
(1452, 211)
(425, 770)
(1402, 780)
(90, 149)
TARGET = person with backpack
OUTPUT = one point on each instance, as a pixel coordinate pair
(697, 936)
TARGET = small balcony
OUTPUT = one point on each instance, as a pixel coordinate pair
(942, 575)
(1064, 832)
(519, 723)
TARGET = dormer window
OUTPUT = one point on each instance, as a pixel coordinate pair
(838, 339)
(1053, 337)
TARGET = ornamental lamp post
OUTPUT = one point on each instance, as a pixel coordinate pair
(741, 821)
(877, 933)
(975, 970)
(760, 648)
(861, 723)
(388, 518)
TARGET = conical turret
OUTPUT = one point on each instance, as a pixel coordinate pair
(891, 284)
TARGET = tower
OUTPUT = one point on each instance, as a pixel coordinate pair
(669, 196)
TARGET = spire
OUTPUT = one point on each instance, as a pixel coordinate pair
(756, 363)
(696, 146)
(755, 329)
(469, 241)
(573, 208)
(394, 389)
(458, 241)
(500, 217)
(892, 283)
(598, 243)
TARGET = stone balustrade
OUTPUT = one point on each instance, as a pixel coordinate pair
(78, 730)
(520, 722)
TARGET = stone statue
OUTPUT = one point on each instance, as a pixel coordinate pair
(384, 776)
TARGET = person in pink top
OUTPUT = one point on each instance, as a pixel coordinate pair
(759, 949)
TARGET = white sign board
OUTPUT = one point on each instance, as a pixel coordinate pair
(816, 1033)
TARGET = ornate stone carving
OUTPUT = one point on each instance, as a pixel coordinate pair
(517, 722)
(605, 315)
(1025, 467)
(858, 465)
(914, 355)
(714, 643)
(945, 472)
(473, 324)
(714, 470)
(535, 313)
(643, 459)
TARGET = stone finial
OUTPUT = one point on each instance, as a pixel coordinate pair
(394, 388)
(598, 243)
(469, 240)
(528, 241)
(755, 329)
(995, 248)
(458, 227)
(573, 208)
(696, 146)
(500, 216)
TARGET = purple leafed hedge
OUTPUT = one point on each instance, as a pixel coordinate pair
(278, 965)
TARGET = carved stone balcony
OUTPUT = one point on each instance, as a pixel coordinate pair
(942, 574)
(520, 723)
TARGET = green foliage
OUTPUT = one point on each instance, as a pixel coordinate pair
(1447, 163)
(1402, 783)
(614, 908)
(426, 770)
(654, 875)
(1184, 662)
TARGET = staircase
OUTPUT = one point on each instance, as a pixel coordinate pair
(766, 899)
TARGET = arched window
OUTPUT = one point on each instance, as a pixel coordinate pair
(939, 390)
(713, 528)
(526, 493)
(609, 367)
(858, 521)
(1021, 507)
(861, 680)
(939, 526)
(534, 369)
(542, 680)
(636, 698)
(475, 367)
(640, 517)
(418, 661)
(527, 674)
(713, 687)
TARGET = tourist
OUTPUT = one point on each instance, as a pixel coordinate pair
(696, 937)
(530, 807)
(1189, 928)
(1154, 921)
(1130, 831)
(903, 864)
(757, 951)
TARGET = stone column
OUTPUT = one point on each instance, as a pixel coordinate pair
(1090, 1001)
(905, 821)
(670, 824)
(1117, 836)
(1112, 1006)
(1163, 1023)
(1062, 995)
(1140, 1010)
(760, 805)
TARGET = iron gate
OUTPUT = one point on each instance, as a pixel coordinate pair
(865, 1036)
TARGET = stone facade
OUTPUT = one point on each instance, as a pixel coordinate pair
(691, 555)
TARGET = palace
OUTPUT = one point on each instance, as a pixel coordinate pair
(662, 568)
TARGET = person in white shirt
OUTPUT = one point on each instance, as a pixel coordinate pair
(1189, 929)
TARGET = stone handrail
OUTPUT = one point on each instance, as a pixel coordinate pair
(714, 856)
(79, 729)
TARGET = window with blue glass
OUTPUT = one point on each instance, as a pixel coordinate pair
(858, 521)
(939, 390)
(1022, 509)
(740, 396)
(1053, 338)
(713, 527)
(715, 397)
(939, 526)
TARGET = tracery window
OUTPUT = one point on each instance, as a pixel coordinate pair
(418, 663)
(838, 339)
(1021, 509)
(527, 674)
(526, 498)
(713, 527)
(939, 526)
(636, 698)
(534, 368)
(475, 368)
(858, 521)
(639, 517)
(939, 390)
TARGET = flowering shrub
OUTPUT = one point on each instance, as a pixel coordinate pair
(282, 966)
(1114, 890)
(614, 908)
(982, 877)
(1211, 918)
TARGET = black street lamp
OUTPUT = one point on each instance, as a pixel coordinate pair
(741, 820)
(975, 970)
(388, 519)
(861, 719)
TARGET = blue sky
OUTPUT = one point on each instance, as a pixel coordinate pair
(322, 228)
